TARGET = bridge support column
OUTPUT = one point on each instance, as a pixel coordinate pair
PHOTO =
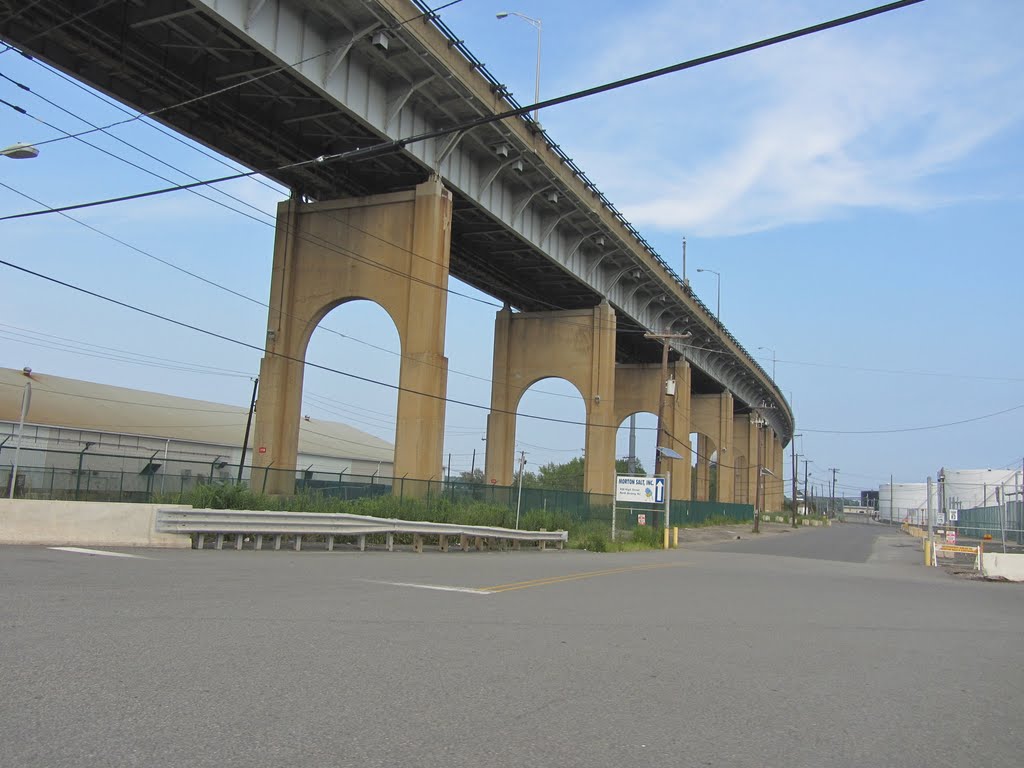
(637, 390)
(576, 345)
(391, 249)
(744, 459)
(712, 419)
(777, 494)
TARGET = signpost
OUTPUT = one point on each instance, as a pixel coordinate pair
(640, 489)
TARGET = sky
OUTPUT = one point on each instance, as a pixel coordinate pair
(859, 190)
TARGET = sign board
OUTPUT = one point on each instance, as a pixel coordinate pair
(648, 490)
(951, 537)
(954, 516)
(940, 518)
(641, 519)
(956, 548)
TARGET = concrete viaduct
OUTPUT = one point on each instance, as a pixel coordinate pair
(275, 83)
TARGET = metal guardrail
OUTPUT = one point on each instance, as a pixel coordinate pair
(243, 524)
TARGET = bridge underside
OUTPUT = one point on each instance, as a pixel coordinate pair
(165, 53)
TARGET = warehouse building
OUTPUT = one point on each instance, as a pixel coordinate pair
(92, 439)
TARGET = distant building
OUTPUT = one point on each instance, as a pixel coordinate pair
(84, 435)
(869, 499)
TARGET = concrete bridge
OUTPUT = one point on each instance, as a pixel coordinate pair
(274, 83)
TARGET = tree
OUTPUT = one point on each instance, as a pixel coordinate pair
(568, 476)
(476, 477)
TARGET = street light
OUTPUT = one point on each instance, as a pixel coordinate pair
(718, 303)
(20, 151)
(26, 402)
(535, 23)
(769, 349)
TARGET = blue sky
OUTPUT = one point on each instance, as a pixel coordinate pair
(859, 191)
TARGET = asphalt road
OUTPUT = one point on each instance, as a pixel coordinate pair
(855, 544)
(686, 658)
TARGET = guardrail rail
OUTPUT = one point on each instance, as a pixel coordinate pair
(244, 525)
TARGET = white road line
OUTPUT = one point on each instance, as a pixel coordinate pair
(82, 551)
(437, 587)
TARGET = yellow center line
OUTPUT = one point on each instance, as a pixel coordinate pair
(576, 576)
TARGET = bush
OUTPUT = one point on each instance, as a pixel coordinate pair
(592, 536)
(648, 536)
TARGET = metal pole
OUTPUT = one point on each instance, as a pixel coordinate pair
(519, 499)
(668, 498)
(613, 507)
(757, 490)
(26, 401)
(1001, 506)
(793, 516)
(931, 508)
(536, 85)
(472, 468)
(663, 382)
(163, 475)
(248, 425)
(631, 461)
(807, 508)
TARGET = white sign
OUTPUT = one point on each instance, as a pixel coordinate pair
(641, 519)
(650, 490)
(954, 516)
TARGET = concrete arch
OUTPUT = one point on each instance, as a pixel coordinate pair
(392, 250)
(713, 420)
(575, 345)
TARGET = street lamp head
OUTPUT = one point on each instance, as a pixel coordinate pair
(20, 151)
(501, 15)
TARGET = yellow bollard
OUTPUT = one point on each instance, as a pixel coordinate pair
(666, 538)
(927, 552)
(675, 537)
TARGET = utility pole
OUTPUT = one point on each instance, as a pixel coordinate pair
(665, 337)
(248, 426)
(758, 494)
(793, 443)
(807, 508)
(631, 459)
(832, 494)
(522, 471)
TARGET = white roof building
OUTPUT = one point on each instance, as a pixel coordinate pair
(113, 429)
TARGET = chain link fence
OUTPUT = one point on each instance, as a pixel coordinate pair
(89, 475)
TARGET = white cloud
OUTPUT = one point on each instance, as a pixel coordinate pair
(865, 116)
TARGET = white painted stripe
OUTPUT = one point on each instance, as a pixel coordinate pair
(82, 551)
(438, 587)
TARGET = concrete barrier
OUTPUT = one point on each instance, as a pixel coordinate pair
(85, 523)
(996, 565)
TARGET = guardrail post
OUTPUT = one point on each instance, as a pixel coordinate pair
(220, 541)
(277, 542)
(479, 543)
(298, 542)
(516, 544)
(391, 542)
(464, 542)
(200, 540)
(238, 541)
(417, 543)
(259, 541)
(330, 543)
(442, 543)
(362, 543)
